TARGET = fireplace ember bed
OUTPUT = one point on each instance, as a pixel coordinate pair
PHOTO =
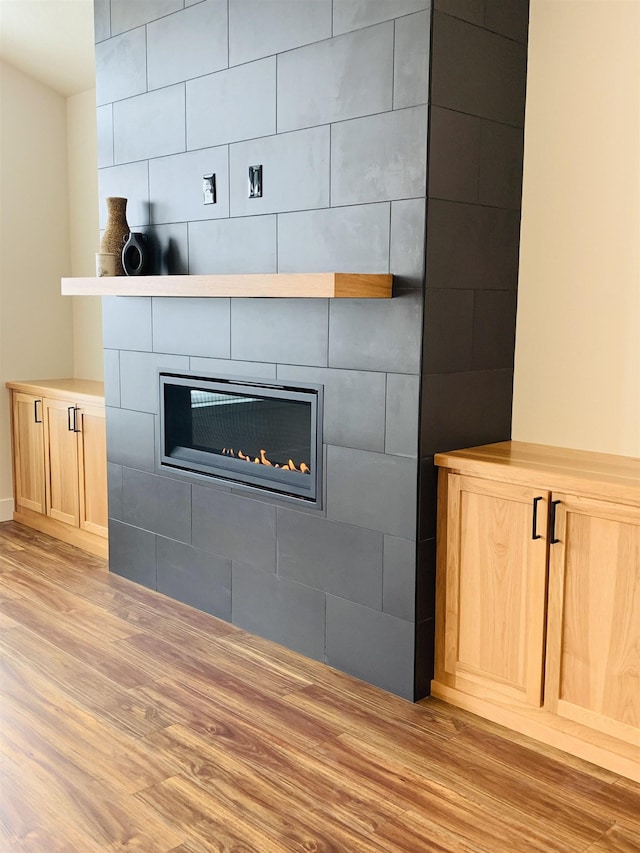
(243, 433)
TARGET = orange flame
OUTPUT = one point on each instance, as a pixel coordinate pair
(263, 460)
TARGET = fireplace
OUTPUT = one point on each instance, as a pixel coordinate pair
(251, 435)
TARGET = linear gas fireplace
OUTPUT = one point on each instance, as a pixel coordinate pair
(251, 434)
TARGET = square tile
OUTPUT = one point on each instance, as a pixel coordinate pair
(194, 577)
(334, 557)
(155, 503)
(150, 111)
(336, 79)
(411, 60)
(286, 330)
(379, 158)
(132, 553)
(472, 408)
(402, 415)
(407, 250)
(234, 527)
(126, 322)
(131, 438)
(376, 334)
(356, 14)
(295, 172)
(477, 72)
(175, 185)
(399, 578)
(373, 646)
(372, 490)
(454, 155)
(233, 246)
(125, 15)
(111, 377)
(279, 610)
(501, 159)
(349, 239)
(191, 326)
(213, 113)
(114, 486)
(188, 44)
(121, 67)
(494, 329)
(448, 330)
(471, 246)
(263, 29)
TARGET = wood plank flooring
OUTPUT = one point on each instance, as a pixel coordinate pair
(131, 722)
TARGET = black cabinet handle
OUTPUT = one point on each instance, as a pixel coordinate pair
(75, 419)
(70, 426)
(552, 523)
(534, 523)
(35, 412)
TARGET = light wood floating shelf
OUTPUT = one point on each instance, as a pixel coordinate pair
(332, 285)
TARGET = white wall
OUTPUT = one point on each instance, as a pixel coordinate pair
(36, 334)
(84, 231)
(577, 368)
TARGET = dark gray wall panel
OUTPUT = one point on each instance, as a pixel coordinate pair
(399, 578)
(126, 322)
(406, 252)
(371, 645)
(330, 556)
(149, 110)
(288, 330)
(132, 553)
(159, 504)
(131, 438)
(175, 185)
(231, 105)
(130, 181)
(354, 14)
(192, 326)
(195, 577)
(121, 67)
(477, 72)
(336, 79)
(194, 43)
(233, 246)
(234, 527)
(349, 239)
(401, 428)
(283, 611)
(125, 14)
(139, 378)
(411, 60)
(262, 29)
(372, 490)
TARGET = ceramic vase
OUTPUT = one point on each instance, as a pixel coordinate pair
(117, 230)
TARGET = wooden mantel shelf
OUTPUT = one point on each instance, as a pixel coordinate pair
(333, 285)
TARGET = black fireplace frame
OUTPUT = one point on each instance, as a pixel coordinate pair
(237, 474)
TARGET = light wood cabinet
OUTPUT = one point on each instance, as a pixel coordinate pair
(538, 595)
(28, 457)
(59, 447)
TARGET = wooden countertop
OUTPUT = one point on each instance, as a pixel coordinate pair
(76, 390)
(597, 475)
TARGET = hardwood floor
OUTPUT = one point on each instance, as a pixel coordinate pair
(132, 722)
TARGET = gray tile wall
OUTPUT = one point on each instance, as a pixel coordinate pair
(478, 76)
(330, 96)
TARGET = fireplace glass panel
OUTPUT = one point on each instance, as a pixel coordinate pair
(262, 436)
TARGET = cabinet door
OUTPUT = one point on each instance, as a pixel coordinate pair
(593, 638)
(495, 590)
(28, 452)
(61, 461)
(92, 468)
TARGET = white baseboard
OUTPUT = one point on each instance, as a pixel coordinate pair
(6, 509)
